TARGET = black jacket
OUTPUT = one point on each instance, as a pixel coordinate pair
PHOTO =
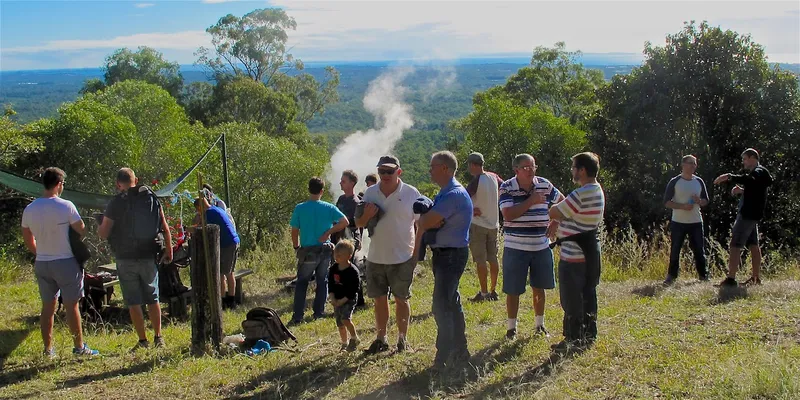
(754, 198)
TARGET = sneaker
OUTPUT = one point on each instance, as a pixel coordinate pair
(478, 298)
(158, 341)
(377, 346)
(50, 353)
(669, 281)
(343, 347)
(511, 334)
(142, 344)
(728, 282)
(85, 351)
(353, 345)
(294, 322)
(752, 281)
(402, 345)
(541, 331)
(493, 296)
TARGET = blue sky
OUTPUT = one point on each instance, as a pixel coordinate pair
(78, 34)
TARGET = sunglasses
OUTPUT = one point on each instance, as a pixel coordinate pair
(526, 168)
(386, 171)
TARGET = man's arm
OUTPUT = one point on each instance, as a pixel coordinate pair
(295, 237)
(343, 222)
(79, 227)
(429, 220)
(104, 231)
(30, 241)
(370, 210)
(167, 257)
(516, 211)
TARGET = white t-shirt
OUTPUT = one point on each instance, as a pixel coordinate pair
(49, 220)
(486, 199)
(392, 242)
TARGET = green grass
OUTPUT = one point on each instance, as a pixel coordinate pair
(688, 341)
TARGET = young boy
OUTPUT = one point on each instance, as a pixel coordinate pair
(343, 285)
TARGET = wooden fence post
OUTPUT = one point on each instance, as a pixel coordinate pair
(206, 296)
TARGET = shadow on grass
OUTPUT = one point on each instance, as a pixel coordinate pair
(727, 294)
(10, 339)
(291, 381)
(656, 289)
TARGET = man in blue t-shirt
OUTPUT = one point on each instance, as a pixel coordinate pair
(228, 248)
(312, 223)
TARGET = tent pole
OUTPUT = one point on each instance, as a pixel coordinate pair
(225, 171)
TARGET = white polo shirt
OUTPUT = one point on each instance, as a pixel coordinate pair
(392, 242)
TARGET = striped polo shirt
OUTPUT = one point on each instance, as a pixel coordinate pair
(583, 211)
(528, 231)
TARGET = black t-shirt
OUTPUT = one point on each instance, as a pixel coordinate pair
(344, 283)
(347, 205)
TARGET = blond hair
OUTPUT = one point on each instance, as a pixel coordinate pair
(345, 246)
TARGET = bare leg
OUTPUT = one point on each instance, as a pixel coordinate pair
(46, 322)
(512, 306)
(137, 317)
(734, 261)
(402, 312)
(231, 284)
(74, 322)
(482, 276)
(494, 269)
(755, 253)
(343, 333)
(381, 316)
(155, 317)
(351, 328)
(538, 301)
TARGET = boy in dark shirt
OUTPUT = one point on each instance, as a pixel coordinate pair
(343, 285)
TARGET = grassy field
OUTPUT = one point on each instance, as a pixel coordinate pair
(687, 341)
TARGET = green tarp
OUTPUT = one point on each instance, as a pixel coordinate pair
(90, 200)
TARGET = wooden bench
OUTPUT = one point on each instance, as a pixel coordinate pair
(238, 275)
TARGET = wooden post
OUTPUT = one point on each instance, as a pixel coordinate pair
(206, 297)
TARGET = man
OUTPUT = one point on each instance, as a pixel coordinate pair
(685, 195)
(45, 228)
(575, 221)
(390, 261)
(524, 200)
(347, 203)
(313, 222)
(228, 248)
(371, 179)
(216, 201)
(753, 186)
(452, 214)
(483, 189)
(131, 224)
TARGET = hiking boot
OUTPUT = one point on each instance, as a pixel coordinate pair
(728, 282)
(511, 334)
(352, 345)
(377, 346)
(142, 344)
(85, 351)
(669, 281)
(50, 353)
(294, 322)
(402, 345)
(343, 347)
(478, 298)
(493, 296)
(158, 342)
(541, 331)
(753, 281)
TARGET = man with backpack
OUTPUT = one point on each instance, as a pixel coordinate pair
(45, 228)
(131, 223)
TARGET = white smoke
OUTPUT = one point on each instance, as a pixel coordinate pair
(385, 100)
(445, 78)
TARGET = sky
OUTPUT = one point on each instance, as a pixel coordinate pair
(80, 34)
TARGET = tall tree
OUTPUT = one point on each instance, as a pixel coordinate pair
(146, 64)
(15, 141)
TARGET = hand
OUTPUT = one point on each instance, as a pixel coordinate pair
(476, 212)
(325, 237)
(722, 178)
(537, 198)
(552, 229)
(737, 190)
(697, 199)
(167, 257)
(687, 207)
(370, 210)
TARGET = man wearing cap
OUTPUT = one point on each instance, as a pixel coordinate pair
(390, 261)
(483, 190)
(752, 185)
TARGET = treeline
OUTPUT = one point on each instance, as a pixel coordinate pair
(707, 92)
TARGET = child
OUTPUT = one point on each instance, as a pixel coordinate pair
(343, 285)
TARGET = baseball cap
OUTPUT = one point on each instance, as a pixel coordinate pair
(389, 161)
(475, 158)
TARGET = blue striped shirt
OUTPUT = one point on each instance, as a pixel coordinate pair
(528, 231)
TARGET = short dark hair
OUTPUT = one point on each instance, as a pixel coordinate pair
(350, 174)
(688, 158)
(751, 152)
(315, 185)
(588, 161)
(371, 178)
(125, 175)
(52, 176)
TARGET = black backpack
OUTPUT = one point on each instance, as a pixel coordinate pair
(169, 277)
(264, 324)
(138, 235)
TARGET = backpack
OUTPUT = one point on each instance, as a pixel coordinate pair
(265, 324)
(138, 235)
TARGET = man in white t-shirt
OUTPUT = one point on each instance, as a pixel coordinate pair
(390, 261)
(45, 228)
(483, 189)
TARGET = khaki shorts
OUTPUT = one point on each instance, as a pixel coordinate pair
(397, 277)
(483, 244)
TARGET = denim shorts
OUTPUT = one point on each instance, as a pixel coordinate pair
(521, 265)
(344, 312)
(139, 281)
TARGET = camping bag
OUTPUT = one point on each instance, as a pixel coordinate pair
(265, 324)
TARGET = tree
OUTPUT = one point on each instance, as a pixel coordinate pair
(710, 93)
(15, 141)
(196, 100)
(254, 46)
(146, 65)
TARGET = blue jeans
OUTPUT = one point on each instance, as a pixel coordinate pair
(678, 233)
(451, 339)
(315, 263)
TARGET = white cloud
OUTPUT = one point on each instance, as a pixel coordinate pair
(143, 5)
(218, 1)
(175, 40)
